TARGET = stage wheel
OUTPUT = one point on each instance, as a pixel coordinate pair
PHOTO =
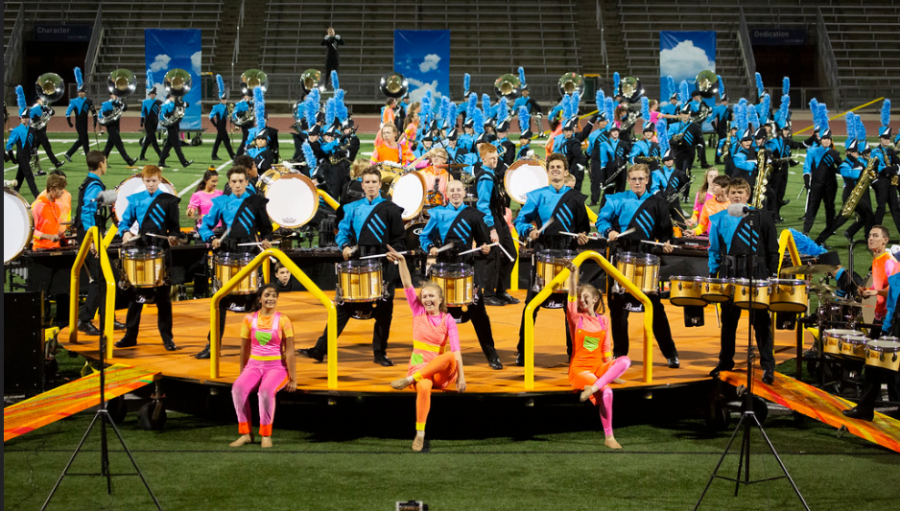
(718, 416)
(152, 416)
(117, 409)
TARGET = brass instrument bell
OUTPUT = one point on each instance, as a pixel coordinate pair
(310, 79)
(507, 85)
(121, 82)
(50, 87)
(177, 82)
(707, 84)
(631, 88)
(253, 78)
(393, 85)
(569, 83)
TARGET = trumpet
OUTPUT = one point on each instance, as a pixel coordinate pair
(122, 83)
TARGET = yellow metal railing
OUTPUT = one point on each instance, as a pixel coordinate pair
(514, 277)
(328, 199)
(560, 279)
(786, 242)
(260, 259)
(91, 238)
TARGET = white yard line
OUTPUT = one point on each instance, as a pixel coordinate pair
(191, 186)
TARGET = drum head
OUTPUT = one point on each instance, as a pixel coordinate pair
(268, 177)
(408, 192)
(293, 200)
(18, 225)
(131, 186)
(525, 176)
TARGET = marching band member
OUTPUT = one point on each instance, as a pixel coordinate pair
(492, 202)
(461, 226)
(648, 215)
(572, 148)
(452, 146)
(332, 62)
(245, 219)
(690, 136)
(113, 138)
(40, 135)
(738, 250)
(348, 129)
(150, 118)
(467, 139)
(613, 159)
(371, 224)
(81, 106)
(595, 142)
(22, 139)
(820, 176)
(240, 110)
(48, 215)
(202, 199)
(670, 183)
(88, 214)
(851, 170)
(263, 157)
(509, 149)
(781, 147)
(247, 162)
(425, 146)
(888, 168)
(565, 207)
(436, 360)
(525, 100)
(646, 150)
(883, 266)
(219, 118)
(743, 161)
(390, 149)
(155, 212)
(173, 133)
(592, 366)
(703, 195)
(722, 115)
(671, 108)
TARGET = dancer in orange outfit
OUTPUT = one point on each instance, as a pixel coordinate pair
(436, 361)
(592, 367)
(390, 149)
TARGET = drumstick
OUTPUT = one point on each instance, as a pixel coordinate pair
(572, 234)
(653, 243)
(626, 232)
(251, 243)
(511, 258)
(382, 255)
(478, 248)
(548, 224)
(446, 247)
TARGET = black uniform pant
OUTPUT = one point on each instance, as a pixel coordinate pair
(778, 182)
(579, 178)
(164, 317)
(886, 195)
(819, 191)
(23, 157)
(383, 314)
(596, 181)
(700, 148)
(245, 132)
(114, 139)
(150, 138)
(761, 326)
(520, 348)
(173, 141)
(684, 158)
(618, 315)
(864, 216)
(92, 304)
(721, 134)
(874, 377)
(82, 141)
(222, 138)
(497, 268)
(298, 146)
(41, 140)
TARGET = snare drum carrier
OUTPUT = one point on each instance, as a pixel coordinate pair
(147, 262)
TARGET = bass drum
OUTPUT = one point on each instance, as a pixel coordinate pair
(413, 230)
(293, 200)
(408, 192)
(18, 225)
(269, 177)
(525, 176)
(131, 186)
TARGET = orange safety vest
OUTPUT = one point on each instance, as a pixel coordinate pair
(46, 221)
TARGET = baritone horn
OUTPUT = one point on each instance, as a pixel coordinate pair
(393, 85)
(310, 80)
(569, 83)
(177, 83)
(253, 78)
(50, 87)
(507, 85)
(122, 83)
(708, 84)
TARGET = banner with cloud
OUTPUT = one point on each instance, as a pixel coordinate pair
(423, 57)
(684, 54)
(166, 49)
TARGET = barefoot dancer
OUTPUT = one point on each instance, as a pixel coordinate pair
(592, 367)
(431, 365)
(267, 364)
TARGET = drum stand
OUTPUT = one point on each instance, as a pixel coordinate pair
(748, 419)
(103, 416)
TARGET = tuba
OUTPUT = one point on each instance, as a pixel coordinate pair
(122, 83)
(569, 83)
(707, 84)
(250, 79)
(507, 85)
(177, 83)
(862, 188)
(393, 85)
(310, 79)
(631, 89)
(50, 88)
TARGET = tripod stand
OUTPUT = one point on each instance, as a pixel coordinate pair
(104, 418)
(748, 416)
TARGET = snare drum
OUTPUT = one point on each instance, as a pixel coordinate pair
(228, 264)
(525, 176)
(758, 294)
(854, 345)
(789, 295)
(359, 281)
(144, 266)
(293, 200)
(833, 338)
(686, 291)
(716, 290)
(18, 225)
(457, 281)
(408, 192)
(884, 353)
(550, 263)
(131, 186)
(641, 269)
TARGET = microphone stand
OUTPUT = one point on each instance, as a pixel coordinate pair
(748, 416)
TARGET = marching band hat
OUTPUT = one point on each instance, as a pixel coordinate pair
(333, 130)
(826, 134)
(674, 95)
(853, 147)
(746, 135)
(452, 135)
(503, 126)
(685, 109)
(695, 92)
(648, 126)
(348, 123)
(613, 128)
(152, 90)
(428, 136)
(884, 132)
(669, 155)
(571, 124)
(489, 122)
(601, 117)
(526, 134)
(263, 133)
(724, 97)
(470, 123)
(315, 130)
(760, 133)
(320, 117)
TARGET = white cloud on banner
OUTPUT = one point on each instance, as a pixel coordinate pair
(684, 61)
(418, 89)
(196, 60)
(160, 62)
(430, 63)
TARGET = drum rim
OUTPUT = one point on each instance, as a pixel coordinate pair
(308, 182)
(880, 347)
(712, 280)
(233, 255)
(846, 331)
(162, 181)
(421, 202)
(30, 235)
(359, 263)
(794, 282)
(552, 254)
(511, 170)
(756, 283)
(688, 278)
(159, 252)
(637, 256)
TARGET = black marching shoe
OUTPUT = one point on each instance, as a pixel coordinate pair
(495, 363)
(494, 301)
(859, 413)
(59, 164)
(132, 163)
(673, 362)
(143, 159)
(216, 158)
(508, 298)
(383, 360)
(203, 354)
(126, 343)
(311, 353)
(67, 157)
(41, 173)
(718, 369)
(768, 376)
(88, 328)
(520, 359)
(119, 326)
(169, 344)
(187, 163)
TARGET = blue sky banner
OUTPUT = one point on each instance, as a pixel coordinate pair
(684, 54)
(176, 49)
(423, 57)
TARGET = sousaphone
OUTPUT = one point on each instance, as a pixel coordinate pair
(50, 87)
(393, 85)
(122, 83)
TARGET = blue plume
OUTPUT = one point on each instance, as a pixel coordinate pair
(610, 108)
(670, 85)
(684, 92)
(785, 86)
(340, 109)
(426, 107)
(467, 80)
(329, 112)
(860, 129)
(334, 80)
(766, 107)
(616, 81)
(503, 111)
(79, 79)
(886, 112)
(219, 81)
(814, 110)
(20, 98)
(478, 121)
(805, 245)
(445, 109)
(721, 87)
(259, 106)
(486, 105)
(311, 108)
(524, 119)
(662, 136)
(740, 116)
(452, 112)
(309, 156)
(759, 85)
(784, 109)
(599, 99)
(823, 117)
(573, 103)
(522, 76)
(753, 117)
(645, 109)
(851, 126)
(316, 97)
